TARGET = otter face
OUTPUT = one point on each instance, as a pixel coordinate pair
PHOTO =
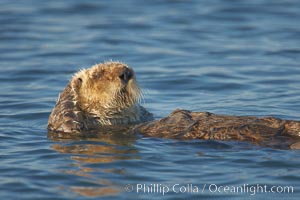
(108, 87)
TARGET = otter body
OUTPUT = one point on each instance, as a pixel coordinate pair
(106, 96)
(187, 125)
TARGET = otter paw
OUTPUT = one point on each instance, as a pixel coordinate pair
(71, 126)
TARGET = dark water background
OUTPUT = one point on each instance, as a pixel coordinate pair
(223, 56)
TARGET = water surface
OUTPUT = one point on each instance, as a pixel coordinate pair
(227, 57)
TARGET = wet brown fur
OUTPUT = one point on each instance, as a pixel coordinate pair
(96, 98)
(184, 124)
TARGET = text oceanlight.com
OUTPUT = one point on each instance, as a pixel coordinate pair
(163, 189)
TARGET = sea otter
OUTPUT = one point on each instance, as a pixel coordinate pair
(107, 95)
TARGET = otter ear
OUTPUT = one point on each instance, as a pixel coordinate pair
(76, 83)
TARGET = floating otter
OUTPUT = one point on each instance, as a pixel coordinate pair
(106, 97)
(105, 94)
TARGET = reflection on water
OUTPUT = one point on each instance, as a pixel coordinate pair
(94, 153)
(98, 152)
(99, 148)
(95, 192)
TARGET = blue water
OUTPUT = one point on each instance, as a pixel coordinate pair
(222, 56)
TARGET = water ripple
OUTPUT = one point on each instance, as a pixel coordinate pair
(229, 57)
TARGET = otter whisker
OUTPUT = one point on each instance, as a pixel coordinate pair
(142, 97)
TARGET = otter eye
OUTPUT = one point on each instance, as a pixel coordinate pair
(97, 75)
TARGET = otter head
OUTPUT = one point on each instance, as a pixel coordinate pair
(106, 89)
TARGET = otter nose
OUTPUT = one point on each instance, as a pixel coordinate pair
(126, 74)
